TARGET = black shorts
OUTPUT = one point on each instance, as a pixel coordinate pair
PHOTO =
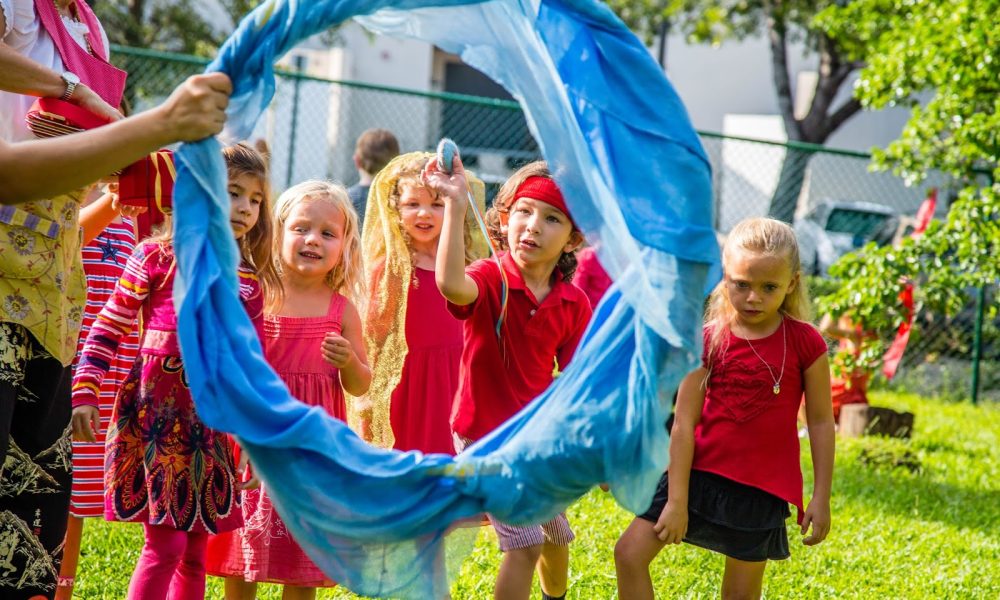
(730, 518)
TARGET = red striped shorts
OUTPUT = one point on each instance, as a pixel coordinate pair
(516, 537)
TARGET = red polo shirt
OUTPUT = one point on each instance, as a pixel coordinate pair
(500, 376)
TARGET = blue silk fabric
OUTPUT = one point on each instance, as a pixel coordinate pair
(638, 183)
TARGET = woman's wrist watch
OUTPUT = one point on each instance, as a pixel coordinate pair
(71, 81)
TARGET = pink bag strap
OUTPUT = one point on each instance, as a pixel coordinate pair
(95, 71)
(51, 20)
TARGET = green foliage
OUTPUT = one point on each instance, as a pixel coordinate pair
(715, 21)
(890, 522)
(948, 50)
(169, 26)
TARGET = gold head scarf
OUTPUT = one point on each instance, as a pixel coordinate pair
(389, 273)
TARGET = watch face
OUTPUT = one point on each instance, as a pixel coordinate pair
(69, 77)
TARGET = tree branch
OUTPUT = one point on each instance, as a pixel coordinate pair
(844, 112)
(819, 123)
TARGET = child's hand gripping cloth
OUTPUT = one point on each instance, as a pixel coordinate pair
(637, 183)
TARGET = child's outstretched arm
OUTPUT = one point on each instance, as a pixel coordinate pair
(822, 441)
(113, 323)
(672, 524)
(95, 217)
(346, 351)
(449, 267)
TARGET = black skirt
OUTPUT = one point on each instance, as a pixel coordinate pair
(739, 521)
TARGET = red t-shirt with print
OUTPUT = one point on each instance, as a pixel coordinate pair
(748, 433)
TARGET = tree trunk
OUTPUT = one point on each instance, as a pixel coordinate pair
(861, 419)
(818, 123)
(785, 199)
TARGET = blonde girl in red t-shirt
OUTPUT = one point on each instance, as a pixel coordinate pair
(734, 450)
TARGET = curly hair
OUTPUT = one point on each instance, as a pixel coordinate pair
(407, 173)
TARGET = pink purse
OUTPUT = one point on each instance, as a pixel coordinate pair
(51, 117)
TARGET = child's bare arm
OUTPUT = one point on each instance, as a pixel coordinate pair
(347, 352)
(822, 442)
(449, 267)
(672, 524)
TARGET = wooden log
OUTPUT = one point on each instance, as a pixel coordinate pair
(862, 419)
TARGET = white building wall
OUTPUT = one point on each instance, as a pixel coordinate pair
(727, 89)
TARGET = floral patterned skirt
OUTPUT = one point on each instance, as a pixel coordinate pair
(163, 466)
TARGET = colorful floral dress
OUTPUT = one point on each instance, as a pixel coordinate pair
(264, 551)
(163, 466)
(104, 261)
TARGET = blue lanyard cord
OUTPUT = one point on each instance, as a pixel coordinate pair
(504, 287)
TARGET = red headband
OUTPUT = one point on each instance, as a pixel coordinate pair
(545, 190)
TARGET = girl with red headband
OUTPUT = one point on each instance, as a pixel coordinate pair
(522, 320)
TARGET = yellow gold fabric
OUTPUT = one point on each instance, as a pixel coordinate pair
(389, 271)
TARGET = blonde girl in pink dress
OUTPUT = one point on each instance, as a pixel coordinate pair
(313, 339)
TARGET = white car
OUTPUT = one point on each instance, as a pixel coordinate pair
(835, 227)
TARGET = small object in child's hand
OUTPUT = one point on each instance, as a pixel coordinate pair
(447, 150)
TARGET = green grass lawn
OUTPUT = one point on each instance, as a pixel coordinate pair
(911, 519)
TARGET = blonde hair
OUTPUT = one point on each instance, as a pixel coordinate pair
(347, 277)
(406, 172)
(500, 210)
(761, 236)
(255, 245)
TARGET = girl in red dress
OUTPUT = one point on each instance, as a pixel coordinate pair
(414, 343)
(734, 448)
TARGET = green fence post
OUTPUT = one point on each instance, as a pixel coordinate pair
(300, 63)
(977, 342)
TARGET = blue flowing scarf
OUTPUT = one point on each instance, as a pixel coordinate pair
(637, 182)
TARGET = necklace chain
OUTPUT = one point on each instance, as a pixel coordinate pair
(71, 14)
(784, 349)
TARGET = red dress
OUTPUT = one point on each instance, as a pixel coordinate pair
(420, 409)
(590, 276)
(263, 550)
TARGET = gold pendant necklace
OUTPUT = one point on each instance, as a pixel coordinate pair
(784, 349)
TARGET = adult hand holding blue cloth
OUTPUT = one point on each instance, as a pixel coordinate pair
(637, 182)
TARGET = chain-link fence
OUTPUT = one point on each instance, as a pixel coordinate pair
(834, 202)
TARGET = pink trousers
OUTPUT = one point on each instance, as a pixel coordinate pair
(171, 566)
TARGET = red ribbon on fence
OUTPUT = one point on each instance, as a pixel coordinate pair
(893, 356)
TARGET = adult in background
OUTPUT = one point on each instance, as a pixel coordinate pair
(372, 152)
